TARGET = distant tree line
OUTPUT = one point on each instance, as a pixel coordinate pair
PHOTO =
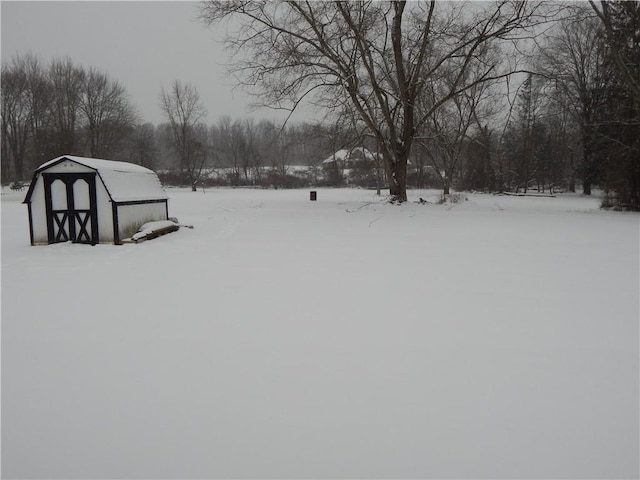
(431, 83)
(577, 118)
(570, 120)
(60, 108)
(65, 108)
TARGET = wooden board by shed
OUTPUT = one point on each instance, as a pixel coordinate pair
(88, 200)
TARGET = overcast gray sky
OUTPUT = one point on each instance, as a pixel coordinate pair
(145, 45)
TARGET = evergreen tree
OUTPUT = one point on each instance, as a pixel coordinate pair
(617, 121)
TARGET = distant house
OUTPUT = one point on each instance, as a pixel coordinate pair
(349, 157)
(87, 200)
(355, 166)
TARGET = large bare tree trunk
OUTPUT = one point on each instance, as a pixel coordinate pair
(369, 59)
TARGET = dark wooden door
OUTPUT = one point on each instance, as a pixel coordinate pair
(70, 200)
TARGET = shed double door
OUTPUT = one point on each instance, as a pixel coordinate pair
(70, 200)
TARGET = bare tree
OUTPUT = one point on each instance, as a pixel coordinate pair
(59, 109)
(573, 57)
(270, 147)
(564, 130)
(624, 46)
(66, 80)
(143, 146)
(445, 133)
(618, 118)
(40, 101)
(232, 144)
(251, 154)
(370, 56)
(184, 110)
(108, 113)
(16, 119)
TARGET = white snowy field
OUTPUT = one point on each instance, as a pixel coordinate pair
(343, 338)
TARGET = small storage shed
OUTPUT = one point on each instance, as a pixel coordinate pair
(87, 200)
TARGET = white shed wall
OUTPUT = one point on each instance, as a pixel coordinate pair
(105, 213)
(131, 217)
(39, 213)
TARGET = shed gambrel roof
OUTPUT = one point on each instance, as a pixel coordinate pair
(125, 182)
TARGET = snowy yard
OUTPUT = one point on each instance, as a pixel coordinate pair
(343, 338)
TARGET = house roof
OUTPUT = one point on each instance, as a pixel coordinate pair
(346, 154)
(125, 182)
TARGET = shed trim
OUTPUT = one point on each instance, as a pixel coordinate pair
(31, 234)
(116, 230)
(141, 202)
(71, 214)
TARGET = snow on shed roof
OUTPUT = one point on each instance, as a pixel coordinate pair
(125, 182)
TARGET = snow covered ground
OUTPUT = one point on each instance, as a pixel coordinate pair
(343, 338)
